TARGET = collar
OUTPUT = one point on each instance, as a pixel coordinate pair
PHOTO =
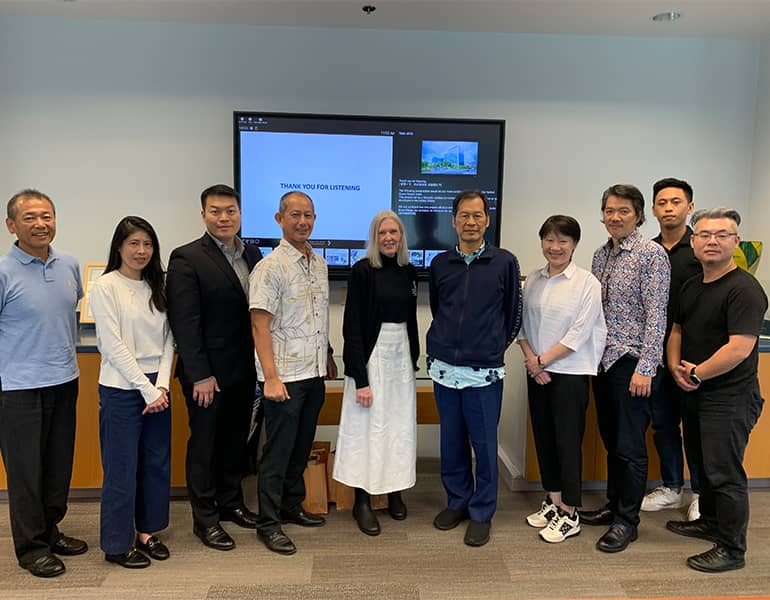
(568, 272)
(26, 259)
(685, 241)
(627, 242)
(293, 252)
(238, 245)
(473, 255)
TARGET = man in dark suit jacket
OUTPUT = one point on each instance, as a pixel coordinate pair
(207, 288)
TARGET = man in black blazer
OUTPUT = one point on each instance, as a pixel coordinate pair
(207, 289)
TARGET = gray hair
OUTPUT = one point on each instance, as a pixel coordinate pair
(28, 193)
(715, 213)
(373, 247)
(283, 204)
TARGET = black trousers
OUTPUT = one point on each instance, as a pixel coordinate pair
(37, 437)
(216, 451)
(290, 427)
(558, 414)
(719, 424)
(623, 420)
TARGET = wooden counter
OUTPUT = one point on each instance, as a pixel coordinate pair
(756, 461)
(87, 470)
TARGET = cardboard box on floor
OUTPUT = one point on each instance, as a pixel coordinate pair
(344, 496)
(316, 500)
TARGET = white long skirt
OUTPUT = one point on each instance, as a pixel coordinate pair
(377, 446)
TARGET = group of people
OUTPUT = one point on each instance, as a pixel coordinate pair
(669, 329)
(252, 338)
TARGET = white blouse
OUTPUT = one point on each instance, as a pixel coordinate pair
(133, 340)
(566, 309)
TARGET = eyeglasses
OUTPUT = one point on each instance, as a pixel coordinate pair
(721, 236)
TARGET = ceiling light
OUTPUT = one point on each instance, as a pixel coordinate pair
(368, 8)
(667, 17)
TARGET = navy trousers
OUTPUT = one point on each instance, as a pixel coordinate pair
(136, 458)
(37, 436)
(469, 417)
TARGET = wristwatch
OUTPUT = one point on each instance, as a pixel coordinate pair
(694, 378)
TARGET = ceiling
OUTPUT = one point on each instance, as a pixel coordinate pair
(721, 18)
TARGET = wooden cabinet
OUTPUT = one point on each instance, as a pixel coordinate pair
(756, 461)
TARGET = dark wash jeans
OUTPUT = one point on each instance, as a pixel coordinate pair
(623, 421)
(719, 426)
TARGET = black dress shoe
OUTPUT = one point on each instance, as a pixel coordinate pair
(69, 546)
(133, 559)
(617, 538)
(449, 519)
(241, 516)
(302, 518)
(697, 529)
(153, 548)
(396, 506)
(600, 516)
(278, 541)
(46, 566)
(214, 537)
(477, 533)
(717, 560)
(366, 519)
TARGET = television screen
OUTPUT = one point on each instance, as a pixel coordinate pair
(354, 166)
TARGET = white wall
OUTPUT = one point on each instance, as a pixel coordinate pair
(758, 226)
(117, 118)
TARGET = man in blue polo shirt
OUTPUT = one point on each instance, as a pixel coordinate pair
(475, 298)
(39, 292)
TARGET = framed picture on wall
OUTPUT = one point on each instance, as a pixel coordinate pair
(92, 272)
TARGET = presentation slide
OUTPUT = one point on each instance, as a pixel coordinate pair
(348, 175)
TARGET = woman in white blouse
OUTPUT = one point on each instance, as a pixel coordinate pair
(562, 337)
(136, 346)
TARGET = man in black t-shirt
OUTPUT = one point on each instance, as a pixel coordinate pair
(713, 354)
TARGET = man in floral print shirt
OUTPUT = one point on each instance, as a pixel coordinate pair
(635, 274)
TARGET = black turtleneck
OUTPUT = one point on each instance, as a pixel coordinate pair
(376, 296)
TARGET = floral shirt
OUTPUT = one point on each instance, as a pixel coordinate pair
(635, 284)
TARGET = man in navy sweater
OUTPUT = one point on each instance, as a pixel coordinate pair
(475, 299)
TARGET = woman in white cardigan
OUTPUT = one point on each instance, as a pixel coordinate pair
(135, 342)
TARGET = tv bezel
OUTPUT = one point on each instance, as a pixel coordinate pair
(342, 273)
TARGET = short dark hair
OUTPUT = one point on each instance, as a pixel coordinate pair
(153, 272)
(627, 192)
(469, 195)
(671, 182)
(10, 210)
(220, 189)
(562, 225)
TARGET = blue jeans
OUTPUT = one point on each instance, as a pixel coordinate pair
(470, 417)
(136, 458)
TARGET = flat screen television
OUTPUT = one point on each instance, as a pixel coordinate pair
(354, 166)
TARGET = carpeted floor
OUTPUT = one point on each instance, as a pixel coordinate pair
(410, 560)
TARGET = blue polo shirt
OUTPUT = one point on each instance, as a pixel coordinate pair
(38, 329)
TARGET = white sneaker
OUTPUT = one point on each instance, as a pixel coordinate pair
(693, 513)
(542, 517)
(662, 498)
(561, 527)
